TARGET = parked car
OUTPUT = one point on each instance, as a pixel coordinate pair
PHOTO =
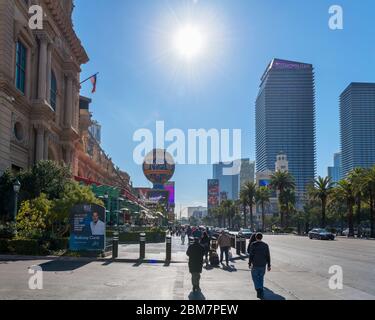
(321, 234)
(245, 233)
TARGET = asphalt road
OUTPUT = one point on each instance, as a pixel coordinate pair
(300, 271)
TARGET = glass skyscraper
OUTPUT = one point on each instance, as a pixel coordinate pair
(228, 183)
(335, 172)
(357, 117)
(285, 121)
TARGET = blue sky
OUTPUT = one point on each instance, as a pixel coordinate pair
(142, 79)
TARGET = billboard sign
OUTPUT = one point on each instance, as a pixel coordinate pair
(213, 193)
(87, 228)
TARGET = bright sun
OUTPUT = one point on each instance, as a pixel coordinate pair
(189, 41)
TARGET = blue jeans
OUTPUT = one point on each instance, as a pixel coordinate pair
(257, 274)
(224, 250)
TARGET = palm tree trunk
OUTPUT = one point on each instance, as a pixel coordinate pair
(251, 217)
(323, 213)
(359, 215)
(263, 218)
(350, 221)
(244, 215)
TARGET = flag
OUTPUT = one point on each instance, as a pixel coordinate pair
(93, 81)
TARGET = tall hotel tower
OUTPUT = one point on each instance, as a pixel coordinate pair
(357, 116)
(285, 121)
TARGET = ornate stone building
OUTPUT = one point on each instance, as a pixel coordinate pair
(39, 85)
(42, 116)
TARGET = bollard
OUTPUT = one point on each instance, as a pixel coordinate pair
(142, 246)
(115, 241)
(168, 255)
(243, 245)
(238, 245)
(233, 241)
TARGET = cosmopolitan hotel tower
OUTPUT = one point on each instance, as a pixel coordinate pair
(285, 121)
(357, 116)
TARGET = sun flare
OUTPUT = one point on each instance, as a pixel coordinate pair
(189, 41)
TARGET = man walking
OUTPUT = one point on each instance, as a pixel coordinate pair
(225, 244)
(259, 259)
(183, 236)
(195, 253)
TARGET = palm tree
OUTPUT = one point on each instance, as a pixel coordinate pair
(244, 201)
(321, 190)
(369, 194)
(262, 197)
(249, 190)
(282, 181)
(228, 209)
(346, 188)
(357, 177)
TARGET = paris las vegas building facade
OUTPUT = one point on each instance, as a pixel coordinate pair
(42, 116)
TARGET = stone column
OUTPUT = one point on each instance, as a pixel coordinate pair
(69, 101)
(46, 143)
(42, 74)
(39, 143)
(49, 70)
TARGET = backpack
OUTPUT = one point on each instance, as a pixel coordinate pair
(214, 259)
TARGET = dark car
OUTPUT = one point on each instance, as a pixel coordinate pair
(245, 233)
(321, 234)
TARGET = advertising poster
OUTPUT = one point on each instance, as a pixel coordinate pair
(213, 193)
(87, 228)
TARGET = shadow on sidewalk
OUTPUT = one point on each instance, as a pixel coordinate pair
(270, 295)
(62, 266)
(196, 296)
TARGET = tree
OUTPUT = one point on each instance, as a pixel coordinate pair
(248, 193)
(244, 201)
(262, 197)
(357, 177)
(346, 190)
(282, 181)
(321, 190)
(34, 219)
(228, 208)
(368, 186)
(45, 177)
(6, 194)
(72, 195)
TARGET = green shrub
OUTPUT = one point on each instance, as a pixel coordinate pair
(4, 246)
(26, 247)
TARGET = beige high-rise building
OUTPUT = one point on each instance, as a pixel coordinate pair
(39, 85)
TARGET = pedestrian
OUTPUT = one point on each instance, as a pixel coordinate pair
(206, 243)
(183, 236)
(252, 240)
(259, 259)
(225, 244)
(195, 253)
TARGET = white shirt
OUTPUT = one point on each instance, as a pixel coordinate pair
(97, 229)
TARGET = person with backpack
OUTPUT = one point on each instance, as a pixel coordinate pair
(206, 243)
(225, 244)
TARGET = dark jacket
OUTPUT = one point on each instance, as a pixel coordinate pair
(195, 253)
(260, 255)
(206, 242)
(252, 240)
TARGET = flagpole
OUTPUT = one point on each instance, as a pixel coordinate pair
(89, 78)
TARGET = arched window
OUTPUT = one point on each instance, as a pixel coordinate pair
(53, 93)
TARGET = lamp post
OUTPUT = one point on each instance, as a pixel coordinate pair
(16, 189)
(106, 196)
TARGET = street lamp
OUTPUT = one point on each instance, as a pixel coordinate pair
(16, 189)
